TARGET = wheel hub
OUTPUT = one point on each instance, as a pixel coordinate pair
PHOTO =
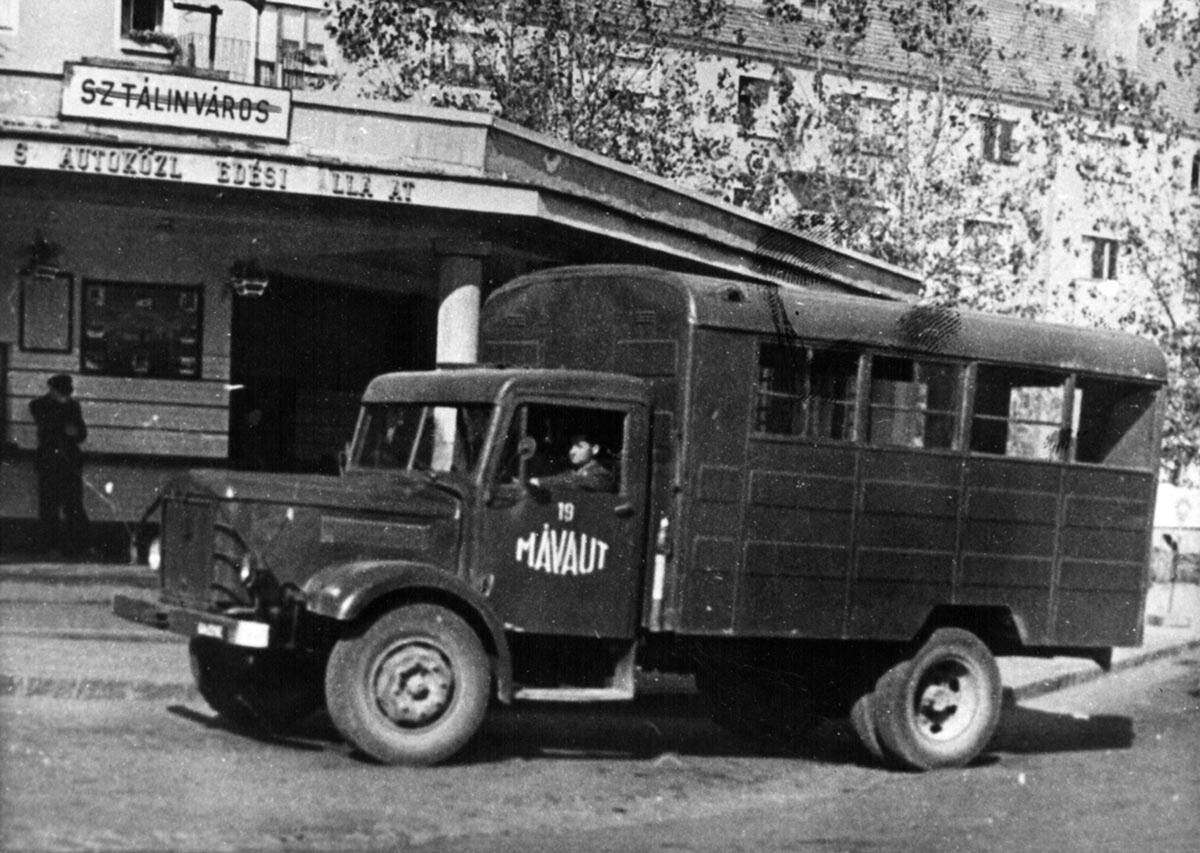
(414, 684)
(947, 700)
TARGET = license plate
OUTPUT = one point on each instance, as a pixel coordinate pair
(207, 629)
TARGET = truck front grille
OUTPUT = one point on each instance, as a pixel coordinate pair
(187, 548)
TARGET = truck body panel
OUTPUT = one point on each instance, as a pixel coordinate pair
(852, 535)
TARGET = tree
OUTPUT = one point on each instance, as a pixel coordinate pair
(904, 146)
(615, 78)
(895, 141)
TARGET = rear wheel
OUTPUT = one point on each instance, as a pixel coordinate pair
(941, 708)
(412, 688)
(266, 688)
(863, 721)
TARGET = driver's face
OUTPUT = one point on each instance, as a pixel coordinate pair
(580, 453)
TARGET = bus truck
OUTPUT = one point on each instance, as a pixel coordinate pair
(819, 505)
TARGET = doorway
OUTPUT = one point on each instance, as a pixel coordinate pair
(301, 355)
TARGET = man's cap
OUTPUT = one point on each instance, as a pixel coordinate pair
(577, 437)
(61, 383)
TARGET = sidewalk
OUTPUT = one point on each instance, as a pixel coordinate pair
(48, 610)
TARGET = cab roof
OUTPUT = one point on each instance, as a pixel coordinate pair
(822, 316)
(483, 384)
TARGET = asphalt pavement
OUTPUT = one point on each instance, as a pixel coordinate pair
(59, 638)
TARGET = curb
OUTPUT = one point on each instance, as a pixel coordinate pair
(1083, 676)
(142, 578)
(32, 686)
(35, 687)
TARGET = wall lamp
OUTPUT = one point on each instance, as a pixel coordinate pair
(247, 278)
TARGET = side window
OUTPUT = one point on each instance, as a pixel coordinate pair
(782, 389)
(564, 447)
(1116, 423)
(833, 382)
(806, 392)
(913, 403)
(1019, 413)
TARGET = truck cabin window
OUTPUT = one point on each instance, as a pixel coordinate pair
(1021, 413)
(573, 448)
(806, 392)
(913, 403)
(422, 436)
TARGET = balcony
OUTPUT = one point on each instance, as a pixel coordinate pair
(232, 58)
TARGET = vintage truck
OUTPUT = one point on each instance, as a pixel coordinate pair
(817, 504)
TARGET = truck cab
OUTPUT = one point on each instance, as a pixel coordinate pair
(458, 498)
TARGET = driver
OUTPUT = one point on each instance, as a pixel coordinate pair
(586, 471)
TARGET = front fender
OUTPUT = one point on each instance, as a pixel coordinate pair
(344, 591)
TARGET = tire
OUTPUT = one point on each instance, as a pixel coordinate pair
(941, 708)
(863, 721)
(412, 688)
(266, 689)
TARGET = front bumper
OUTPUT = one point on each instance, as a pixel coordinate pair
(235, 631)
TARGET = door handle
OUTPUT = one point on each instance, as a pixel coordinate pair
(623, 510)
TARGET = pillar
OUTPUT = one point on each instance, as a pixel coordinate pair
(460, 287)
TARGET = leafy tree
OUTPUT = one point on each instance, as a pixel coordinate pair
(912, 165)
(615, 78)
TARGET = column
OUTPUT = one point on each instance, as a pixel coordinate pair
(460, 285)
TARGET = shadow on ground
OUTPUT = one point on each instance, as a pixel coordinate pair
(661, 725)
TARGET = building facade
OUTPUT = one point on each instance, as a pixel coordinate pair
(221, 256)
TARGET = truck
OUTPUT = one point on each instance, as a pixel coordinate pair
(817, 505)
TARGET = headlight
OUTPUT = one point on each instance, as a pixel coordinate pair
(245, 570)
(154, 554)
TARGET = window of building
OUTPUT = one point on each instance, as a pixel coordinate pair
(1104, 252)
(1020, 413)
(8, 15)
(998, 145)
(299, 50)
(141, 15)
(1194, 182)
(913, 403)
(142, 330)
(754, 106)
(807, 392)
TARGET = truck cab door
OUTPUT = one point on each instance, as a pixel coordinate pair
(564, 550)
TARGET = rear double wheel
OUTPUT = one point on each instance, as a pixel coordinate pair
(938, 709)
(411, 687)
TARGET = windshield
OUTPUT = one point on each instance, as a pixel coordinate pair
(422, 436)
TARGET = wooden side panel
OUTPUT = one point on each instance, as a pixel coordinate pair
(797, 534)
(132, 416)
(906, 539)
(715, 481)
(1009, 538)
(1102, 574)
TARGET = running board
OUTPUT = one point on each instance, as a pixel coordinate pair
(621, 689)
(573, 694)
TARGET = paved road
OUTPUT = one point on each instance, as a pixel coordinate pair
(1111, 765)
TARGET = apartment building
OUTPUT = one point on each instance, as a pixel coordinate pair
(221, 251)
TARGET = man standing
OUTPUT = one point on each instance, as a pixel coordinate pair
(60, 431)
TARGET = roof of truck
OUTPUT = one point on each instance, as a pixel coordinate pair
(811, 315)
(482, 384)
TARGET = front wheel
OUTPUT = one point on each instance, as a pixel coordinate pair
(410, 689)
(941, 708)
